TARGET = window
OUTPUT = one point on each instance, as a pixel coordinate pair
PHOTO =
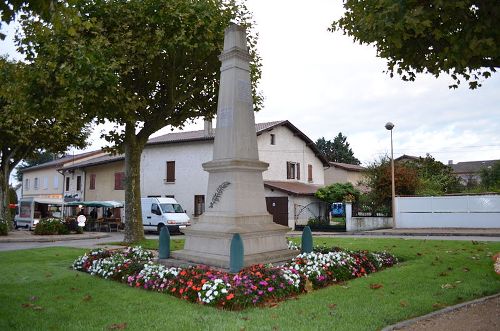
(199, 205)
(78, 183)
(119, 180)
(169, 196)
(170, 172)
(35, 183)
(27, 184)
(67, 183)
(292, 170)
(92, 182)
(273, 139)
(45, 183)
(309, 172)
(56, 181)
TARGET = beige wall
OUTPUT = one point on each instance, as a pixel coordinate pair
(104, 182)
(339, 175)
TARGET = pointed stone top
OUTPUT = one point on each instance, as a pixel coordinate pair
(235, 37)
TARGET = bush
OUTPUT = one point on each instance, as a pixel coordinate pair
(338, 192)
(4, 228)
(314, 222)
(51, 226)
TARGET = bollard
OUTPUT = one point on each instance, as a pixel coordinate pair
(164, 246)
(236, 254)
(307, 240)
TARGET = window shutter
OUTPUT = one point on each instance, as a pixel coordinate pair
(310, 172)
(288, 171)
(119, 180)
(92, 182)
(298, 171)
(170, 171)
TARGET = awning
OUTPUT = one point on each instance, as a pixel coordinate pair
(108, 204)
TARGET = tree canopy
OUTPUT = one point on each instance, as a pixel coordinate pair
(337, 150)
(37, 158)
(490, 177)
(142, 64)
(10, 8)
(459, 37)
(338, 192)
(27, 126)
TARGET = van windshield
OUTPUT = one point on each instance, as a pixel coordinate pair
(171, 208)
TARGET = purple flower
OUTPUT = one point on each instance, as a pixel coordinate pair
(263, 283)
(259, 292)
(270, 289)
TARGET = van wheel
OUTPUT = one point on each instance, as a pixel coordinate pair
(159, 227)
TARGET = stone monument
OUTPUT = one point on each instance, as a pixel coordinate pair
(235, 201)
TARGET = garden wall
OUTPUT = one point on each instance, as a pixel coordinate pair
(358, 223)
(368, 223)
(464, 211)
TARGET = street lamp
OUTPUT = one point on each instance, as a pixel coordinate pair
(389, 126)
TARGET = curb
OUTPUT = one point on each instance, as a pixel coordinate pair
(407, 234)
(449, 309)
(53, 239)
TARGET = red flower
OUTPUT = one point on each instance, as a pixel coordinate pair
(230, 296)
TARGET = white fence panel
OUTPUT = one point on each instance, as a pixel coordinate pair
(468, 211)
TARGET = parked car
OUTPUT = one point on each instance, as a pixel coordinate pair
(160, 212)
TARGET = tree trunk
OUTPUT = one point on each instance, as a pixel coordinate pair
(4, 195)
(133, 147)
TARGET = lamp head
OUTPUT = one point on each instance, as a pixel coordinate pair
(389, 126)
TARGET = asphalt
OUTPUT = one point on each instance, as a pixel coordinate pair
(20, 236)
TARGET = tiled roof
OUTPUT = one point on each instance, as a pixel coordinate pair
(347, 166)
(405, 157)
(61, 161)
(296, 188)
(200, 134)
(471, 166)
(176, 137)
(96, 161)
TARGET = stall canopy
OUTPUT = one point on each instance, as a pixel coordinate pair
(107, 204)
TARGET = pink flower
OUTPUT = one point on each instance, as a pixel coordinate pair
(263, 283)
(270, 289)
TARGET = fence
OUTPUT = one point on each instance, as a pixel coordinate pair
(467, 211)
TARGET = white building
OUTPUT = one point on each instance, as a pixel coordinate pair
(171, 166)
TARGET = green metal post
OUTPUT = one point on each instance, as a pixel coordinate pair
(164, 246)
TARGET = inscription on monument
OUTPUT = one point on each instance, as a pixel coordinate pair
(244, 91)
(225, 117)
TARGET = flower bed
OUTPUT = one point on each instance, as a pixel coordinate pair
(255, 285)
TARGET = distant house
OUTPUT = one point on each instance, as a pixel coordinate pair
(45, 181)
(344, 173)
(171, 166)
(407, 158)
(469, 171)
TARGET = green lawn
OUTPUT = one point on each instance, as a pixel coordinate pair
(40, 292)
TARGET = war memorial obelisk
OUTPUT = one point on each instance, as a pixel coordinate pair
(235, 201)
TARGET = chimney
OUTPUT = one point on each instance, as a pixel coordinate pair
(450, 162)
(207, 128)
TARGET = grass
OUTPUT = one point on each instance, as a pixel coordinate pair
(434, 274)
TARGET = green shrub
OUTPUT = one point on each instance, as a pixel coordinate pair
(4, 228)
(51, 226)
(318, 222)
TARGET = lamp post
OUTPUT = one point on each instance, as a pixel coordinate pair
(389, 126)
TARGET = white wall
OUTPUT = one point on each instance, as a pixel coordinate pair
(50, 183)
(190, 178)
(288, 148)
(468, 211)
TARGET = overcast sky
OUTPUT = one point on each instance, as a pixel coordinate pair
(325, 84)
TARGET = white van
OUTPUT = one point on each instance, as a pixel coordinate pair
(158, 212)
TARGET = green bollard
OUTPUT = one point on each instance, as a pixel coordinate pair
(307, 240)
(236, 254)
(164, 246)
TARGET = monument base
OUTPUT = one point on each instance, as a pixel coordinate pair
(208, 242)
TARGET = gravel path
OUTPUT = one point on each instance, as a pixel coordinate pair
(479, 316)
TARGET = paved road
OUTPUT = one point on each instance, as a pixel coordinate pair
(86, 243)
(115, 237)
